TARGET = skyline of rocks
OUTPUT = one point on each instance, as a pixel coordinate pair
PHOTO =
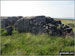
(36, 24)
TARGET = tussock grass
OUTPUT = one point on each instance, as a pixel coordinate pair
(30, 44)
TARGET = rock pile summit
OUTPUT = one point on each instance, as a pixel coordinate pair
(36, 24)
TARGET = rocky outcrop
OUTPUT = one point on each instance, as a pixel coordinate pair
(8, 21)
(36, 24)
(42, 24)
(4, 22)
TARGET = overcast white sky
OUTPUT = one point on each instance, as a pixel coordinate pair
(58, 9)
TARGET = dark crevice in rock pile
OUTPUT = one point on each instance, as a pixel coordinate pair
(36, 24)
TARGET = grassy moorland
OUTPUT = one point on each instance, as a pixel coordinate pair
(40, 44)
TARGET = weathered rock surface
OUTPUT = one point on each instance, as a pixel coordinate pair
(9, 30)
(4, 22)
(36, 24)
(8, 21)
(41, 24)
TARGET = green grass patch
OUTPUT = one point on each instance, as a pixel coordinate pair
(30, 44)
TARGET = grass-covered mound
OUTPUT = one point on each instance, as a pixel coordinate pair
(30, 44)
